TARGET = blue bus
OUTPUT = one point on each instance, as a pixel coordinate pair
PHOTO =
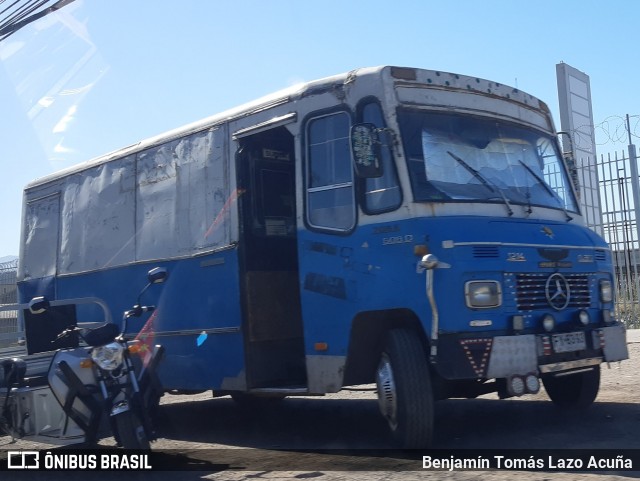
(410, 228)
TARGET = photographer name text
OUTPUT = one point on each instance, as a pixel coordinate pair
(453, 463)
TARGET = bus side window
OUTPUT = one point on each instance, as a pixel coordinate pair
(330, 193)
(381, 194)
(41, 237)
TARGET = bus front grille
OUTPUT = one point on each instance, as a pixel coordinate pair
(531, 291)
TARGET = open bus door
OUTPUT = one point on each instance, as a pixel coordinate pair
(272, 318)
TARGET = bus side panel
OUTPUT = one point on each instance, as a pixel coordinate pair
(373, 269)
(197, 318)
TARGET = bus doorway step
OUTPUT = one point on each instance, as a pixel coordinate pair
(280, 390)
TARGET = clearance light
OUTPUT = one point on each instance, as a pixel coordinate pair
(584, 317)
(321, 346)
(403, 73)
(545, 346)
(598, 339)
(518, 323)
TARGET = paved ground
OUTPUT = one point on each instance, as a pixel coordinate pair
(228, 443)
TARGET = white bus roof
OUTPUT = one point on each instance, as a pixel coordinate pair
(431, 78)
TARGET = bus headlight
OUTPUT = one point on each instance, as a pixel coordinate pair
(108, 357)
(606, 291)
(483, 294)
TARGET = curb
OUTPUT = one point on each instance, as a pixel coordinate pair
(633, 336)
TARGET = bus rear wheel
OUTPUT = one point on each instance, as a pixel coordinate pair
(404, 389)
(575, 391)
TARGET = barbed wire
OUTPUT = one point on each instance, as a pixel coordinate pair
(612, 130)
(9, 265)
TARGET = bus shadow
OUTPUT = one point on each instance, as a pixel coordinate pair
(323, 423)
(294, 423)
(536, 424)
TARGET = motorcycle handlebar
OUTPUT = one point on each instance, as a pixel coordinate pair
(65, 333)
(137, 311)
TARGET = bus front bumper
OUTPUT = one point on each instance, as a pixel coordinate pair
(486, 357)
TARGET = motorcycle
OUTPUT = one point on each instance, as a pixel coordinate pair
(103, 377)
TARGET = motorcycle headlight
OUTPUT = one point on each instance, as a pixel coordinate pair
(108, 357)
(481, 294)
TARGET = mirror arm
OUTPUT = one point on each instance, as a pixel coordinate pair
(565, 152)
(570, 162)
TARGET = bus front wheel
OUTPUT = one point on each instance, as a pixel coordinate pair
(576, 391)
(404, 389)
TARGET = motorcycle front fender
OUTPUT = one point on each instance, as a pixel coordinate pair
(120, 407)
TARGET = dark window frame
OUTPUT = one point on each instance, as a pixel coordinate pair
(308, 190)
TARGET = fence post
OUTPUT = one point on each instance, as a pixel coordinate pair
(633, 162)
(635, 240)
(633, 165)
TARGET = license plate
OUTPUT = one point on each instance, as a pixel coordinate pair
(569, 342)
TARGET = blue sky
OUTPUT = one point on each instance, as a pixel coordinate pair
(102, 75)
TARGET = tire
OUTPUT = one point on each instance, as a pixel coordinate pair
(152, 406)
(131, 431)
(405, 395)
(577, 391)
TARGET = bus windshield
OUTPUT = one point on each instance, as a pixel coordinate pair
(461, 158)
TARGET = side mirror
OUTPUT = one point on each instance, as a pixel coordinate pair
(365, 149)
(157, 275)
(38, 305)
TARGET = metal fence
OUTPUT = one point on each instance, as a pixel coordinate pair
(620, 229)
(8, 277)
(8, 295)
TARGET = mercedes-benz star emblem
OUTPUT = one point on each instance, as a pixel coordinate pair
(558, 291)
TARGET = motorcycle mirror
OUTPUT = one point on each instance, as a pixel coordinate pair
(157, 275)
(38, 305)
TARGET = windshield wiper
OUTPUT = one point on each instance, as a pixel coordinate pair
(548, 188)
(488, 184)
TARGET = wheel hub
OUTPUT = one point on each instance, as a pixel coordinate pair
(387, 397)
